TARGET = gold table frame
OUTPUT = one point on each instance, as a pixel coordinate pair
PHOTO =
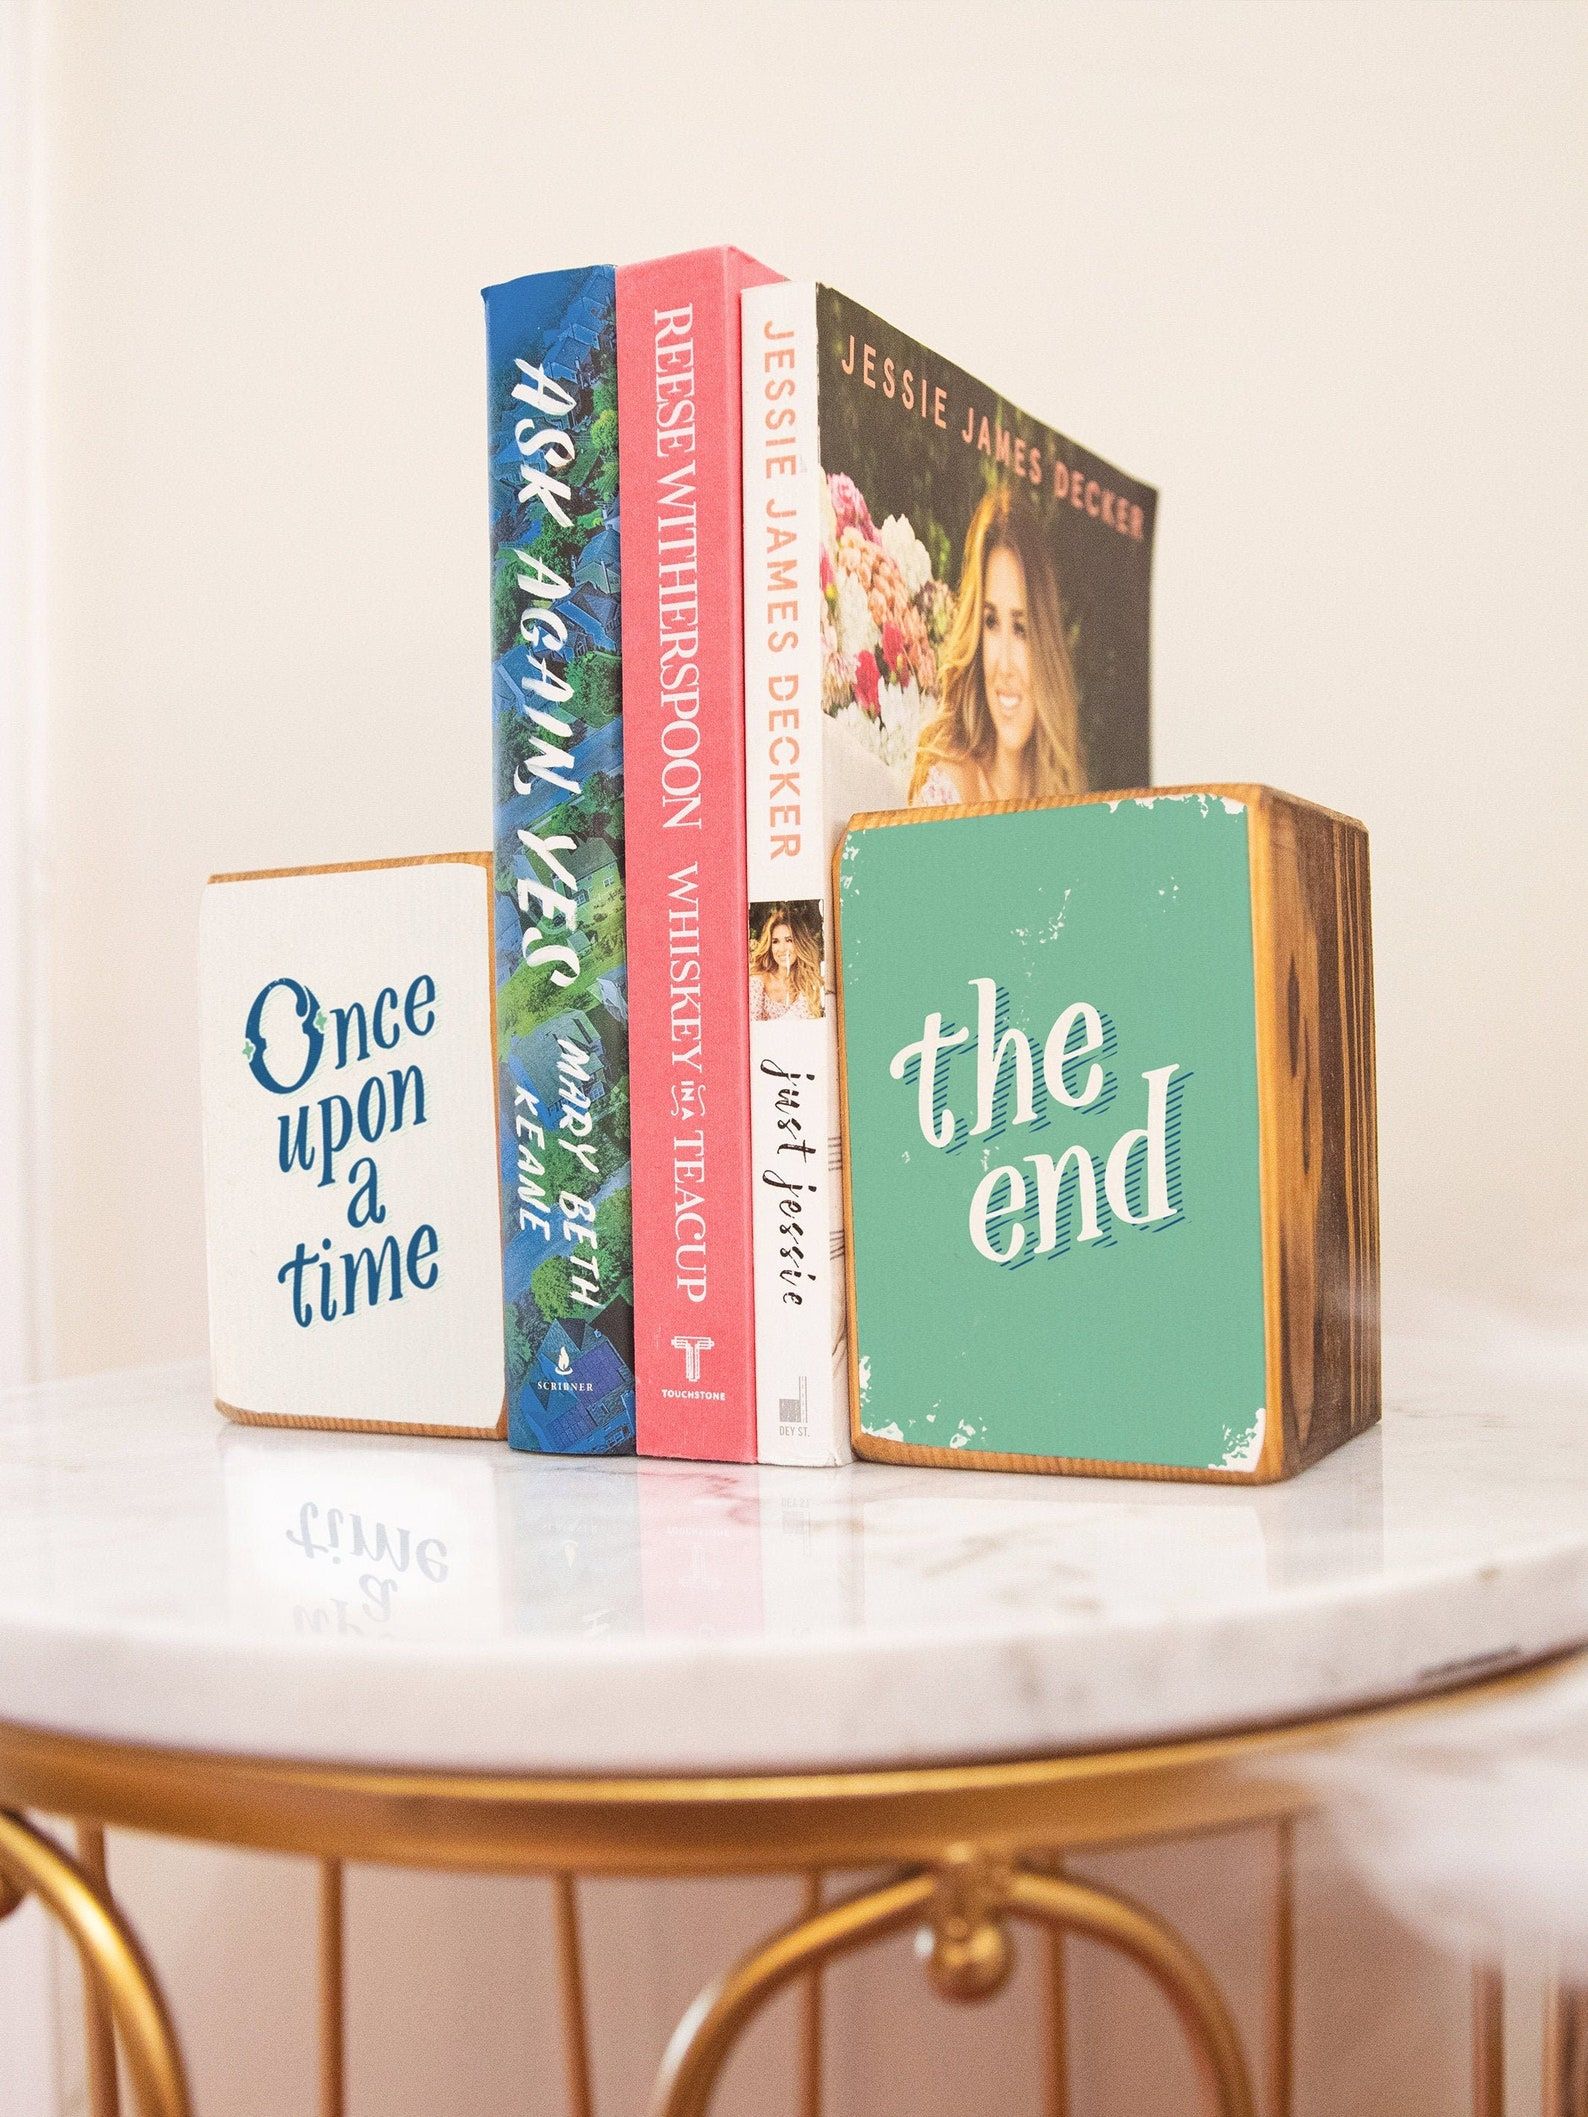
(967, 1848)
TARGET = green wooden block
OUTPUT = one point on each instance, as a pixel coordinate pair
(1109, 1134)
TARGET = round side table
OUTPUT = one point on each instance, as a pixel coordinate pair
(439, 1654)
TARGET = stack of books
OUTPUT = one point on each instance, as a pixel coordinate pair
(759, 561)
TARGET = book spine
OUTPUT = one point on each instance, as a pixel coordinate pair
(683, 712)
(801, 1399)
(561, 991)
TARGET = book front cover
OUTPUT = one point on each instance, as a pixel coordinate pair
(562, 992)
(947, 601)
(985, 582)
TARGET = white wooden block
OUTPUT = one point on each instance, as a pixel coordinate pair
(350, 1146)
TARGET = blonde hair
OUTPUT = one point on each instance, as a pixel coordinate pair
(962, 730)
(805, 972)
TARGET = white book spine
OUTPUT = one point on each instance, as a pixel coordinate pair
(802, 1407)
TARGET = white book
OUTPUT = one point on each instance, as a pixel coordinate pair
(944, 601)
(797, 1228)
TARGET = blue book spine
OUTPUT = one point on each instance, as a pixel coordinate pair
(561, 951)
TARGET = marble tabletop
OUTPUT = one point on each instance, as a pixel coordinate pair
(171, 1579)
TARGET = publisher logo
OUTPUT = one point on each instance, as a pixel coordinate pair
(692, 1348)
(563, 1378)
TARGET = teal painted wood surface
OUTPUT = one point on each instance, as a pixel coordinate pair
(1070, 978)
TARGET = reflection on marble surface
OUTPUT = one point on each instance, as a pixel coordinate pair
(167, 1577)
(333, 1540)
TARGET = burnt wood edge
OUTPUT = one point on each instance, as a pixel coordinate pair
(1345, 843)
(306, 1422)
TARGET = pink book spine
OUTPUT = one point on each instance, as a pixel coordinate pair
(681, 510)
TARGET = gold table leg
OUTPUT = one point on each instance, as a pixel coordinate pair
(1488, 2042)
(575, 2021)
(964, 1901)
(1282, 1974)
(1565, 2052)
(1058, 2023)
(1064, 1904)
(811, 2019)
(99, 2035)
(111, 1957)
(1056, 2017)
(333, 1990)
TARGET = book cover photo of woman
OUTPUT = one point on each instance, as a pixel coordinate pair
(1007, 724)
(786, 962)
(984, 588)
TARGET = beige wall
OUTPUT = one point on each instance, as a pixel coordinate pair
(1317, 270)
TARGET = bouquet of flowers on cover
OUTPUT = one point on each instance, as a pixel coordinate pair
(884, 616)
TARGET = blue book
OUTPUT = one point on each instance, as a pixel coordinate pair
(561, 952)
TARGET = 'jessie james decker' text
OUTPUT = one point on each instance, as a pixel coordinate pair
(779, 455)
(925, 397)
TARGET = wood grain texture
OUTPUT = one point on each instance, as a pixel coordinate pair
(1318, 1143)
(239, 1417)
(1312, 933)
(359, 867)
(235, 1412)
(871, 1448)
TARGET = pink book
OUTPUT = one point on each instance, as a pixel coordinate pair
(681, 493)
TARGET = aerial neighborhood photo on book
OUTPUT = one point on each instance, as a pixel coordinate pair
(946, 602)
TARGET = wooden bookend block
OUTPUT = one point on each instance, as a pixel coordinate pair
(1110, 1152)
(350, 1146)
